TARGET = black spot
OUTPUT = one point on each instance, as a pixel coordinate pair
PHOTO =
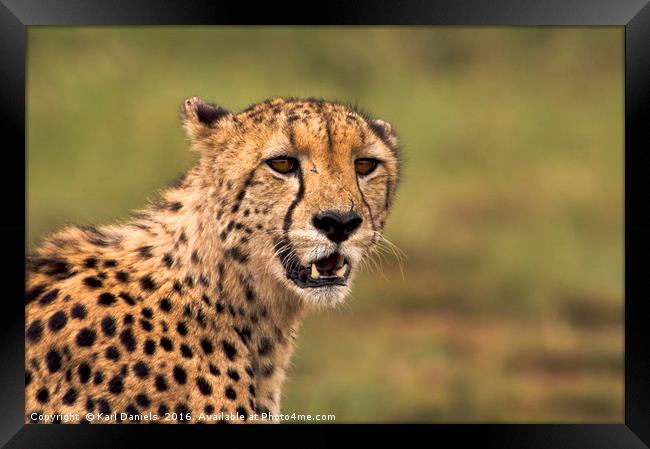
(244, 334)
(86, 337)
(53, 267)
(214, 370)
(146, 325)
(57, 321)
(84, 373)
(165, 305)
(108, 326)
(115, 385)
(127, 298)
(229, 350)
(106, 299)
(132, 411)
(90, 262)
(143, 400)
(93, 282)
(209, 409)
(141, 369)
(28, 377)
(220, 307)
(128, 340)
(43, 395)
(266, 347)
(163, 409)
(34, 292)
(233, 374)
(168, 260)
(267, 370)
(70, 396)
(200, 318)
(204, 282)
(236, 254)
(189, 281)
(147, 312)
(90, 405)
(180, 375)
(104, 406)
(128, 319)
(98, 378)
(186, 351)
(204, 386)
(242, 411)
(181, 328)
(182, 410)
(112, 353)
(230, 393)
(49, 297)
(122, 276)
(110, 263)
(53, 360)
(147, 283)
(251, 389)
(206, 345)
(145, 251)
(186, 310)
(161, 383)
(178, 287)
(248, 291)
(149, 347)
(167, 344)
(78, 311)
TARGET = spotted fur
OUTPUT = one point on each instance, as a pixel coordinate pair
(187, 307)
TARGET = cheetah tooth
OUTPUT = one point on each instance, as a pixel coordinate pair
(341, 271)
(314, 271)
(340, 262)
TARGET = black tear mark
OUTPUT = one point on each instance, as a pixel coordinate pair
(372, 219)
(287, 257)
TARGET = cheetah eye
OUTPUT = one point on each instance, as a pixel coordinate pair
(365, 166)
(283, 164)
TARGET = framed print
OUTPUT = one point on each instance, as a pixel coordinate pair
(385, 214)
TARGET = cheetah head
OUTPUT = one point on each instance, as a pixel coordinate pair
(299, 189)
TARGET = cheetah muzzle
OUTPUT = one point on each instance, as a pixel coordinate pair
(191, 308)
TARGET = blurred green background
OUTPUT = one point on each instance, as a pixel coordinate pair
(510, 212)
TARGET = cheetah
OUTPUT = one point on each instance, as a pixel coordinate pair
(190, 308)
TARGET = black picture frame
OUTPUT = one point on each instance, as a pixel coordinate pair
(633, 15)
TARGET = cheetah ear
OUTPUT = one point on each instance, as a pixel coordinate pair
(199, 117)
(384, 131)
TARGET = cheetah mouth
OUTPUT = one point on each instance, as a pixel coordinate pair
(331, 270)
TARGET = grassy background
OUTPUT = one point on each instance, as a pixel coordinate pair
(510, 213)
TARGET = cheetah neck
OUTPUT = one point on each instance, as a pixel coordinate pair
(218, 282)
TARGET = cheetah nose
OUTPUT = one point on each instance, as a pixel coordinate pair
(337, 226)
